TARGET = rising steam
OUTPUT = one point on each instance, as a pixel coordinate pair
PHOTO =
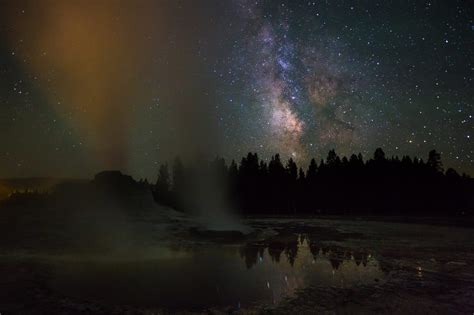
(88, 57)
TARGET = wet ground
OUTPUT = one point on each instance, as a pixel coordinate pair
(285, 266)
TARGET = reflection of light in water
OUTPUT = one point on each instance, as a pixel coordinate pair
(419, 272)
(284, 279)
(206, 277)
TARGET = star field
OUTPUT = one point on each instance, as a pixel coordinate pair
(109, 85)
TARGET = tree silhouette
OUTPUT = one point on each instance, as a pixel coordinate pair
(163, 181)
(333, 159)
(378, 186)
(379, 155)
(292, 170)
(434, 161)
(312, 170)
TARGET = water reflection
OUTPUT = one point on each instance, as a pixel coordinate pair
(290, 245)
(198, 278)
(291, 262)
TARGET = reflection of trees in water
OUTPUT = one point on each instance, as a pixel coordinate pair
(275, 249)
(289, 262)
(251, 254)
(291, 249)
(290, 243)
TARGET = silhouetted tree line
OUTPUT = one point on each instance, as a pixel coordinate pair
(335, 185)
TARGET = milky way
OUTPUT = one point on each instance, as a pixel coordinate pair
(326, 76)
(302, 89)
(92, 86)
(275, 90)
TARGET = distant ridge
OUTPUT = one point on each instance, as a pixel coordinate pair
(10, 185)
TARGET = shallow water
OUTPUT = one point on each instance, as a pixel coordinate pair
(216, 276)
(291, 266)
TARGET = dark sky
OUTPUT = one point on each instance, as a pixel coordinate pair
(92, 85)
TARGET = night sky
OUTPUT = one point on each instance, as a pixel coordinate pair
(93, 85)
